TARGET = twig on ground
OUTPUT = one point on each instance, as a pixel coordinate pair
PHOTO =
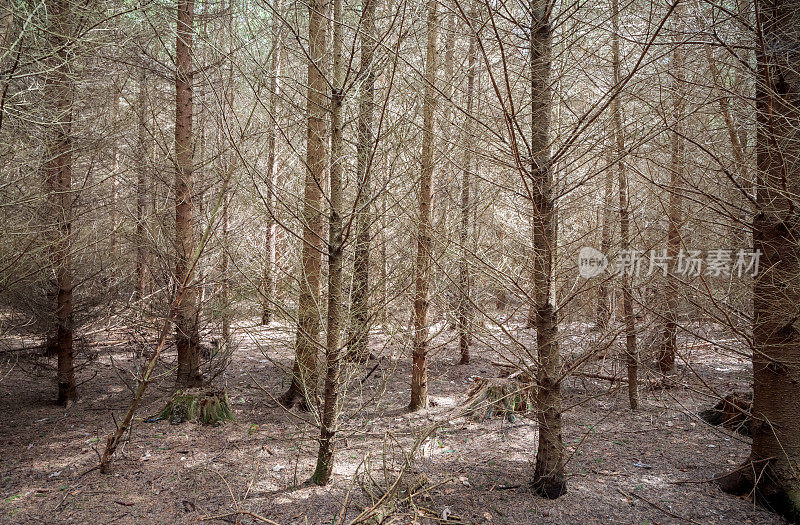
(656, 506)
(247, 513)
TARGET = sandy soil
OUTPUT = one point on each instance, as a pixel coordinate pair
(624, 467)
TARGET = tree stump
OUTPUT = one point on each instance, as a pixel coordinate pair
(733, 412)
(500, 396)
(209, 408)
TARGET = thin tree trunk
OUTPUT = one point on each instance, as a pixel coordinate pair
(384, 308)
(112, 248)
(666, 358)
(359, 329)
(141, 184)
(464, 317)
(604, 298)
(224, 263)
(330, 412)
(548, 476)
(268, 280)
(737, 136)
(775, 455)
(187, 337)
(445, 133)
(419, 370)
(304, 373)
(225, 284)
(631, 357)
(59, 95)
(200, 174)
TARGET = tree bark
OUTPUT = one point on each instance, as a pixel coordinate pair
(422, 269)
(304, 373)
(59, 96)
(330, 412)
(227, 174)
(464, 315)
(666, 358)
(631, 357)
(359, 328)
(737, 134)
(141, 184)
(268, 278)
(604, 297)
(775, 455)
(384, 258)
(113, 178)
(187, 337)
(548, 477)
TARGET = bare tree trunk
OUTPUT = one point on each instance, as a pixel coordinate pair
(225, 284)
(604, 298)
(359, 329)
(200, 174)
(224, 263)
(464, 317)
(548, 476)
(666, 358)
(631, 357)
(141, 184)
(738, 138)
(112, 248)
(59, 95)
(384, 308)
(328, 424)
(445, 133)
(268, 281)
(187, 337)
(419, 370)
(775, 456)
(304, 373)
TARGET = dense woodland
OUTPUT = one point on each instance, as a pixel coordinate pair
(400, 261)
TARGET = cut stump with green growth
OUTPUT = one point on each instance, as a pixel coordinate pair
(209, 408)
(500, 396)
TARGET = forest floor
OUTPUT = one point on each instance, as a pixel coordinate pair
(648, 466)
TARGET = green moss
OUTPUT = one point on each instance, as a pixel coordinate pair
(209, 408)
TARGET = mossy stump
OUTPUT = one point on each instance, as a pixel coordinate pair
(209, 408)
(499, 396)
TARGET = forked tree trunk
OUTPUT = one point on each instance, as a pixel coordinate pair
(141, 184)
(304, 373)
(57, 168)
(330, 411)
(187, 337)
(626, 277)
(422, 270)
(464, 316)
(359, 322)
(666, 358)
(270, 241)
(775, 456)
(548, 477)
